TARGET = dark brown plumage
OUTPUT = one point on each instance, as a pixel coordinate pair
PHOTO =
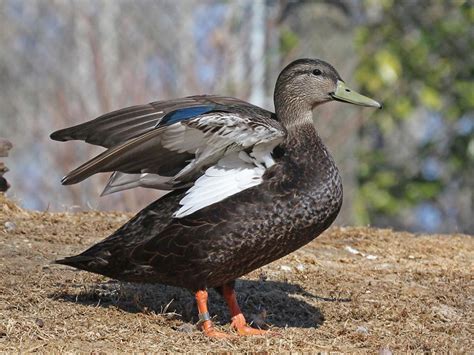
(298, 194)
(4, 185)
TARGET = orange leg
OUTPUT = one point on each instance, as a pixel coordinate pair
(206, 323)
(238, 320)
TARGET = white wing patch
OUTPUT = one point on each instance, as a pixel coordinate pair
(233, 173)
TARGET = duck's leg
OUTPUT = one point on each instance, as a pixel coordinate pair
(238, 320)
(204, 318)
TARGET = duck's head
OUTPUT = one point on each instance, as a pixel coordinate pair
(307, 83)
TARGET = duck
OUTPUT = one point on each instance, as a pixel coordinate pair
(244, 186)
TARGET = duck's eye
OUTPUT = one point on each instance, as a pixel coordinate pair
(317, 72)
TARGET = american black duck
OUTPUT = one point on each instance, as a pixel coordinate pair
(247, 186)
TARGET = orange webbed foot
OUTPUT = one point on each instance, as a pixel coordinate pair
(205, 319)
(213, 333)
(242, 328)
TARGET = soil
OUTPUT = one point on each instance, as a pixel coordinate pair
(351, 289)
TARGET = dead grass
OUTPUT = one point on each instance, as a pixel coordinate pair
(415, 294)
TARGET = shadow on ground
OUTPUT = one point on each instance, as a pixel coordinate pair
(274, 303)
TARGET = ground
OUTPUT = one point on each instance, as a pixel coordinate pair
(352, 289)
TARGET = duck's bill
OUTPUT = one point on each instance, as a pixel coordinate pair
(343, 93)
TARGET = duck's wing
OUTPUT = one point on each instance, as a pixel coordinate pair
(169, 144)
(121, 125)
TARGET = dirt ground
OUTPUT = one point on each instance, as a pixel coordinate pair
(352, 289)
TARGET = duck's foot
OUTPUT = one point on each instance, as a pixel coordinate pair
(209, 330)
(205, 319)
(241, 327)
(239, 324)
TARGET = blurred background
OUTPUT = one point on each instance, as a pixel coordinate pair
(409, 166)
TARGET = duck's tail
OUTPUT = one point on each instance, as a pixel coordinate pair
(84, 262)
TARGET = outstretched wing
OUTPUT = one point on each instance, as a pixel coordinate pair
(169, 145)
(119, 126)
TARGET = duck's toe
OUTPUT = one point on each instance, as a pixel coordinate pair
(213, 333)
(242, 328)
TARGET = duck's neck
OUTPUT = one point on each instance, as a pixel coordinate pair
(302, 134)
(303, 141)
(296, 115)
(292, 112)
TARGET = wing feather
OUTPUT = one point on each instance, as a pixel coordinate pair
(229, 176)
(172, 144)
(107, 130)
(112, 128)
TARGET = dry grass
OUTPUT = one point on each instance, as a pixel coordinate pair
(417, 294)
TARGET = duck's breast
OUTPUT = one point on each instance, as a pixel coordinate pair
(300, 197)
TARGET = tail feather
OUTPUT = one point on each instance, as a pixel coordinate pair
(83, 262)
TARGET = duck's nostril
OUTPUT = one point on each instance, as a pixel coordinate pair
(348, 90)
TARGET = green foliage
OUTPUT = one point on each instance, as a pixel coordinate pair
(288, 40)
(416, 56)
